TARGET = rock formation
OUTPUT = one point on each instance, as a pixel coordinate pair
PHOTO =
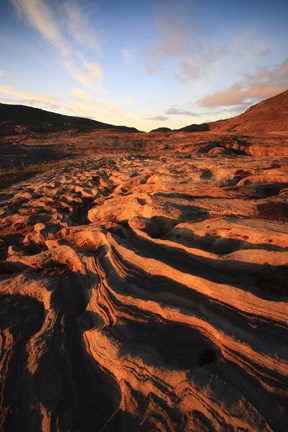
(146, 294)
(143, 285)
(267, 117)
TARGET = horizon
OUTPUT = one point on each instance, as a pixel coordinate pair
(121, 125)
(158, 64)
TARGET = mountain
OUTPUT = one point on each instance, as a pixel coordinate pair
(203, 127)
(21, 118)
(267, 117)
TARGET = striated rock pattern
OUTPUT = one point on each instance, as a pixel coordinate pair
(146, 294)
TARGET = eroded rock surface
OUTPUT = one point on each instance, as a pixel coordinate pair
(146, 294)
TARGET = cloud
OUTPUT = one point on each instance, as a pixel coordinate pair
(176, 27)
(200, 61)
(85, 105)
(174, 42)
(263, 84)
(88, 74)
(178, 111)
(94, 69)
(127, 55)
(174, 110)
(263, 53)
(157, 118)
(42, 18)
(79, 27)
(3, 41)
(29, 98)
(190, 69)
(175, 33)
(188, 51)
(184, 53)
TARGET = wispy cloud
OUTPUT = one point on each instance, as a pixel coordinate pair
(172, 24)
(157, 118)
(172, 111)
(200, 61)
(88, 74)
(175, 27)
(127, 55)
(84, 104)
(79, 26)
(263, 53)
(130, 101)
(263, 84)
(186, 50)
(178, 111)
(183, 53)
(41, 17)
(29, 98)
(52, 28)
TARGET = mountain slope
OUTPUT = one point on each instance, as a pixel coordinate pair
(269, 116)
(24, 118)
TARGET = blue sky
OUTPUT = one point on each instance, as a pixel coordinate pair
(145, 63)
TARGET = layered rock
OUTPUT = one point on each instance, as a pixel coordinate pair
(146, 293)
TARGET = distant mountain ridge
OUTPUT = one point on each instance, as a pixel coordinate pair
(267, 117)
(21, 118)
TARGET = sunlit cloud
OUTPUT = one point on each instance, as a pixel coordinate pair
(199, 65)
(190, 69)
(84, 104)
(182, 44)
(79, 27)
(42, 19)
(93, 69)
(182, 52)
(130, 101)
(175, 28)
(174, 41)
(263, 84)
(200, 61)
(88, 74)
(49, 25)
(29, 98)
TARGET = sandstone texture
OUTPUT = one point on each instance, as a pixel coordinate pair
(146, 293)
(143, 283)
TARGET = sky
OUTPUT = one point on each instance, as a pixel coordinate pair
(143, 63)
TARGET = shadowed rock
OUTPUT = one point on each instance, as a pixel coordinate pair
(146, 290)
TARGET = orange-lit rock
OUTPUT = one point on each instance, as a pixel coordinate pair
(146, 289)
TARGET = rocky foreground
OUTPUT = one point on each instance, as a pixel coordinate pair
(146, 294)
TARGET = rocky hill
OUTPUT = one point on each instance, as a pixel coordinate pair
(21, 118)
(267, 117)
